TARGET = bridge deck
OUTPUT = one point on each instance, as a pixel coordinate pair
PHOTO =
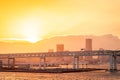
(59, 54)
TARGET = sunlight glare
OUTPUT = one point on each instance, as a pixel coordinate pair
(32, 40)
(31, 29)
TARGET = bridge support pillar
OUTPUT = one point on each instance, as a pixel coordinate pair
(1, 64)
(76, 62)
(11, 63)
(113, 63)
(42, 62)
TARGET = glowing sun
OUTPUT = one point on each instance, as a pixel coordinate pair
(32, 40)
(31, 29)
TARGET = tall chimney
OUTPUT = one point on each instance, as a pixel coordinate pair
(88, 45)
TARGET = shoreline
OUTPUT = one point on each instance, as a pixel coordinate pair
(52, 70)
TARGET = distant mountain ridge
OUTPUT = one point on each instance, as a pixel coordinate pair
(71, 43)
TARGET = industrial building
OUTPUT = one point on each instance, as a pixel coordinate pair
(88, 47)
(59, 47)
(50, 50)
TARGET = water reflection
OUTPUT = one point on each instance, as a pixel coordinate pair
(97, 75)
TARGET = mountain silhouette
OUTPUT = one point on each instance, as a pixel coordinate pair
(71, 43)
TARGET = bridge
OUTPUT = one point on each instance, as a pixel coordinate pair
(113, 54)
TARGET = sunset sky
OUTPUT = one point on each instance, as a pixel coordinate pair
(34, 20)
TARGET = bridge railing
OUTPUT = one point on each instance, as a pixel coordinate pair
(65, 53)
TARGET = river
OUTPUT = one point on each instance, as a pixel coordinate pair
(95, 75)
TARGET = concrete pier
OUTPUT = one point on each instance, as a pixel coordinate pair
(113, 63)
(76, 62)
(11, 63)
(42, 63)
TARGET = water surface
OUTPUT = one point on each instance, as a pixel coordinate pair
(96, 75)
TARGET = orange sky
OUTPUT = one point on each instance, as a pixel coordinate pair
(39, 19)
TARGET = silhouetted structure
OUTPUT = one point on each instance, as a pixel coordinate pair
(60, 47)
(88, 45)
(88, 48)
(12, 66)
(0, 64)
(50, 50)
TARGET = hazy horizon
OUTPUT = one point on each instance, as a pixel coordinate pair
(34, 20)
(36, 25)
(71, 43)
(30, 28)
(23, 40)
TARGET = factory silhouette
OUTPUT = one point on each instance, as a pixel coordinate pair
(60, 47)
(88, 47)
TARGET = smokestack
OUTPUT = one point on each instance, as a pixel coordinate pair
(88, 45)
(88, 48)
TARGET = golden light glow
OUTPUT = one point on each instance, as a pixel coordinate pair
(32, 40)
(34, 19)
(30, 28)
